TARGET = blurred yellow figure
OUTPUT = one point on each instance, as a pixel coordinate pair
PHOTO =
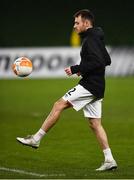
(75, 39)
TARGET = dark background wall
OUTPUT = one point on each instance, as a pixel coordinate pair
(49, 23)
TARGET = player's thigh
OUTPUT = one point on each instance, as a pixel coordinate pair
(93, 110)
(78, 97)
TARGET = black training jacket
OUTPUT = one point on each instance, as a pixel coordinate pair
(94, 59)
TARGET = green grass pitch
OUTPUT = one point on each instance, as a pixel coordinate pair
(70, 149)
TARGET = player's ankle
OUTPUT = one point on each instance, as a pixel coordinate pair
(39, 135)
(108, 155)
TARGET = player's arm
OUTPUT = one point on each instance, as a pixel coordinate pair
(87, 66)
(69, 72)
(92, 60)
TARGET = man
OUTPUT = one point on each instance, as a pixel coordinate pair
(88, 94)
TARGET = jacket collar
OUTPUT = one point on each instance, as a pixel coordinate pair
(85, 33)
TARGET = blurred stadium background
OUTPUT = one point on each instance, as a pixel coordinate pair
(42, 31)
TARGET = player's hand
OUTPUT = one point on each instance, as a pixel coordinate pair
(68, 71)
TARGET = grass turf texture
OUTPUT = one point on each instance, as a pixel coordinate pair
(70, 149)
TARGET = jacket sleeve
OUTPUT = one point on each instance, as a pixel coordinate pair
(92, 60)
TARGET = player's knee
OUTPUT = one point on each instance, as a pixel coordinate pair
(94, 123)
(57, 106)
(60, 105)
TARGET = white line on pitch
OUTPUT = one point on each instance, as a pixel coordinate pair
(22, 172)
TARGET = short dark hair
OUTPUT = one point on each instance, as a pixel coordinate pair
(86, 14)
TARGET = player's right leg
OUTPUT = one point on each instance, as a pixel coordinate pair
(34, 140)
(93, 112)
(109, 162)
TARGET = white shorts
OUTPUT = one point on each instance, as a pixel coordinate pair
(80, 98)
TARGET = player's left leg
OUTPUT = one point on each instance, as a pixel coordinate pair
(50, 121)
(54, 115)
(109, 162)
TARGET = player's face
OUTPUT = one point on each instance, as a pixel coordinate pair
(80, 24)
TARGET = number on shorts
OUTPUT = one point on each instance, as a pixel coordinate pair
(72, 90)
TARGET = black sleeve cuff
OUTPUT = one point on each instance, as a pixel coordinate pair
(75, 69)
